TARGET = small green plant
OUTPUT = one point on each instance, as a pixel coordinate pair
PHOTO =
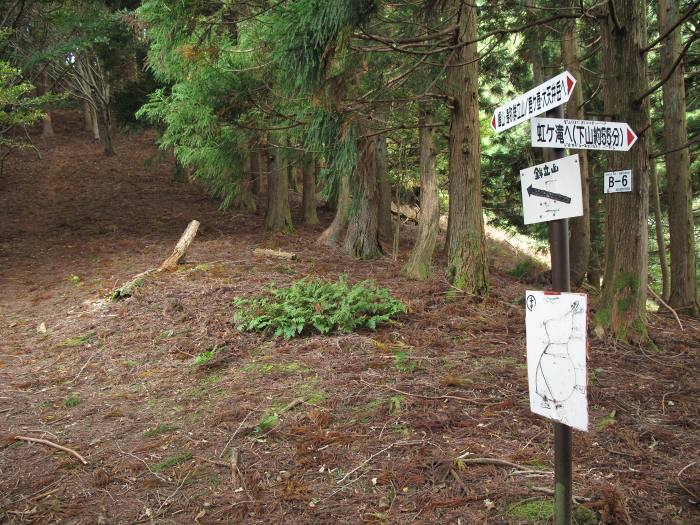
(267, 423)
(72, 401)
(532, 511)
(606, 422)
(79, 340)
(319, 305)
(172, 461)
(206, 356)
(395, 403)
(74, 279)
(162, 428)
(403, 363)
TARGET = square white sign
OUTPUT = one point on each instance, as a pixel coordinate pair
(555, 328)
(617, 181)
(552, 190)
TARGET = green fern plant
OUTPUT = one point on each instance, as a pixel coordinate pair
(315, 304)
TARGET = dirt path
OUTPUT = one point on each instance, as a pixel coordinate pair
(358, 428)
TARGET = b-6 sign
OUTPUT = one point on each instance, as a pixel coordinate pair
(618, 181)
(548, 95)
(552, 190)
(581, 134)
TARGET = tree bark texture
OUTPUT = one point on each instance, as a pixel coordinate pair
(684, 284)
(595, 193)
(87, 116)
(107, 130)
(622, 309)
(580, 237)
(655, 202)
(95, 124)
(47, 121)
(385, 225)
(467, 266)
(308, 198)
(418, 264)
(331, 235)
(180, 251)
(244, 199)
(362, 236)
(278, 217)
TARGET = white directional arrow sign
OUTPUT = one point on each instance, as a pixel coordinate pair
(552, 190)
(581, 134)
(550, 94)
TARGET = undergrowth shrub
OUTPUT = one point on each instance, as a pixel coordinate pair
(315, 304)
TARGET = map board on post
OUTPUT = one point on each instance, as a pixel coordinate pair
(617, 181)
(581, 134)
(550, 94)
(552, 190)
(555, 327)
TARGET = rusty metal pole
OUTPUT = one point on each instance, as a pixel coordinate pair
(561, 282)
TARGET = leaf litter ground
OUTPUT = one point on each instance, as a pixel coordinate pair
(425, 420)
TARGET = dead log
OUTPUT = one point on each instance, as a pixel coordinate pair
(264, 252)
(178, 255)
(181, 248)
(128, 288)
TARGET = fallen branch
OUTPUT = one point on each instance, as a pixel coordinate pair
(666, 305)
(54, 445)
(358, 467)
(181, 247)
(128, 288)
(680, 482)
(178, 255)
(235, 472)
(444, 396)
(264, 252)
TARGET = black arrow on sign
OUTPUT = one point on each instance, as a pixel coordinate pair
(548, 194)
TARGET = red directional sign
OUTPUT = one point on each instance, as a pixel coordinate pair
(581, 134)
(550, 94)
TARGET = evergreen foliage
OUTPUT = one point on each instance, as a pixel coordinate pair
(317, 305)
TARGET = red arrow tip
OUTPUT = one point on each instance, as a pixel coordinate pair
(569, 83)
(631, 137)
(493, 122)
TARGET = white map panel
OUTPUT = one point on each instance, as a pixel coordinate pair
(555, 325)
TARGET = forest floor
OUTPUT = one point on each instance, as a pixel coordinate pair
(425, 420)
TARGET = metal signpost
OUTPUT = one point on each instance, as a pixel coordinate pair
(563, 436)
(552, 192)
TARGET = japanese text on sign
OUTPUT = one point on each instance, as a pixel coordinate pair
(581, 134)
(552, 93)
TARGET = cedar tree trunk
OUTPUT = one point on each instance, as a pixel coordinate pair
(278, 216)
(580, 240)
(308, 198)
(623, 300)
(418, 264)
(684, 283)
(331, 234)
(385, 229)
(362, 236)
(244, 199)
(467, 266)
